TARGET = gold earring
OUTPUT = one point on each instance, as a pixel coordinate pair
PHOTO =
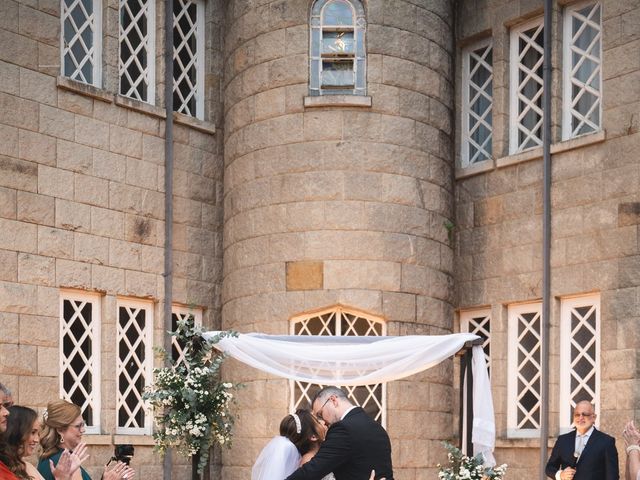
(61, 439)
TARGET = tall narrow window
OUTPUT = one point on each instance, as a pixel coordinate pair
(188, 57)
(582, 97)
(337, 57)
(137, 40)
(526, 87)
(134, 361)
(479, 322)
(477, 103)
(334, 322)
(80, 354)
(579, 354)
(80, 48)
(523, 384)
(179, 313)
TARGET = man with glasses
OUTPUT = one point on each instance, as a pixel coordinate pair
(355, 444)
(584, 453)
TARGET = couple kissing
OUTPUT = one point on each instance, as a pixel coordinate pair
(336, 440)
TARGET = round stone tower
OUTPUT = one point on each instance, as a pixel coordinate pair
(339, 197)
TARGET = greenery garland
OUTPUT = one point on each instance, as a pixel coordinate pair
(192, 407)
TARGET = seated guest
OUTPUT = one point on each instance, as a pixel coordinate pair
(63, 427)
(23, 437)
(5, 473)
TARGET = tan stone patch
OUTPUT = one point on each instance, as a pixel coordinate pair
(305, 275)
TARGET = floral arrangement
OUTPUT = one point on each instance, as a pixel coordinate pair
(462, 467)
(191, 405)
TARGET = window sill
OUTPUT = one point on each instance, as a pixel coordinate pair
(84, 89)
(133, 439)
(529, 155)
(102, 439)
(338, 101)
(522, 442)
(192, 122)
(480, 167)
(139, 106)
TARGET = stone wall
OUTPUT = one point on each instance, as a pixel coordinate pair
(354, 199)
(594, 195)
(82, 206)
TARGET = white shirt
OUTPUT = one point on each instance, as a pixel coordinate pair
(581, 443)
(348, 410)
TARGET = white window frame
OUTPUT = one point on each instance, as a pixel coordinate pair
(567, 308)
(333, 316)
(147, 368)
(469, 324)
(513, 315)
(316, 55)
(183, 312)
(95, 53)
(148, 76)
(199, 63)
(567, 74)
(95, 398)
(467, 52)
(514, 90)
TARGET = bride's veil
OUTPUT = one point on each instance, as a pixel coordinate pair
(278, 459)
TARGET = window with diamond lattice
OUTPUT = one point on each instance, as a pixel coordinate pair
(188, 57)
(525, 126)
(182, 313)
(80, 354)
(335, 322)
(337, 57)
(477, 103)
(479, 322)
(133, 365)
(582, 64)
(80, 40)
(579, 354)
(523, 382)
(137, 40)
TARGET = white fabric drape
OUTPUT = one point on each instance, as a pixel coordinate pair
(483, 434)
(333, 360)
(330, 360)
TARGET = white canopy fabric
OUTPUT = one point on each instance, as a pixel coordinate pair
(351, 360)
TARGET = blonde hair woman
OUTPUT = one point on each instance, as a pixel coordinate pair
(63, 428)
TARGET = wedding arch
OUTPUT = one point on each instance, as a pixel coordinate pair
(353, 360)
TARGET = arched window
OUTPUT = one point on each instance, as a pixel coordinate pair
(337, 56)
(341, 321)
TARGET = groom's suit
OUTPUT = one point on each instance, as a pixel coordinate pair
(353, 447)
(598, 461)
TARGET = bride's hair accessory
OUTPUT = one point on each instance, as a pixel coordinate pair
(296, 419)
(45, 416)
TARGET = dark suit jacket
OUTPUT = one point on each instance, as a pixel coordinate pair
(599, 459)
(353, 447)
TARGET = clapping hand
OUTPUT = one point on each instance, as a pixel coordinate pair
(631, 434)
(69, 462)
(118, 472)
(373, 475)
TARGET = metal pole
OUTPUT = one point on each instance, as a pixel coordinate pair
(546, 237)
(168, 194)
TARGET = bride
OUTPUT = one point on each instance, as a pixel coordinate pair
(300, 437)
(299, 440)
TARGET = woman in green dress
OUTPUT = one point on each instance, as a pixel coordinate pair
(63, 428)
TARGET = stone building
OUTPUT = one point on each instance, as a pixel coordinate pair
(339, 167)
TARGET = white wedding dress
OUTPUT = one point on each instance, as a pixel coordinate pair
(277, 460)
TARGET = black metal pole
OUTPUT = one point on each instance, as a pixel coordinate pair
(463, 372)
(168, 196)
(468, 356)
(546, 237)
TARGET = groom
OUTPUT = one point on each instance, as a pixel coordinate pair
(355, 444)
